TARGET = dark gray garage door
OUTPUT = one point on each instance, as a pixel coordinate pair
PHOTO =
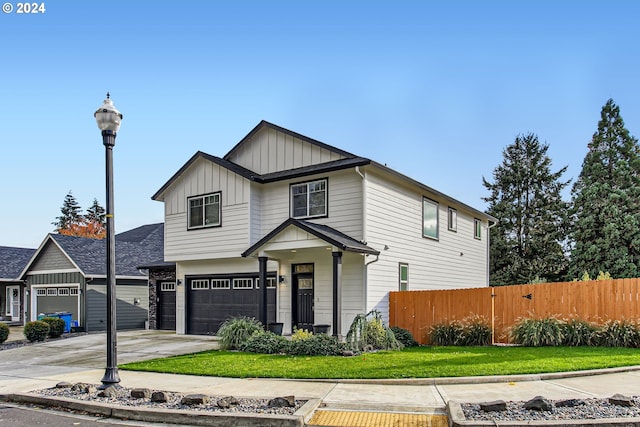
(213, 299)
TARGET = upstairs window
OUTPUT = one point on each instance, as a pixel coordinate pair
(429, 218)
(477, 228)
(403, 277)
(204, 211)
(309, 199)
(452, 221)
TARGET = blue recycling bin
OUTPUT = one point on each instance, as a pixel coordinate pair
(66, 316)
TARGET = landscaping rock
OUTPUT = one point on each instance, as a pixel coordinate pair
(159, 397)
(83, 388)
(140, 393)
(64, 384)
(195, 399)
(494, 406)
(111, 391)
(621, 400)
(569, 403)
(282, 402)
(227, 402)
(538, 403)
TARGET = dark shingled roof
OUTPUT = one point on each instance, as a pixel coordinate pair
(324, 232)
(140, 246)
(13, 261)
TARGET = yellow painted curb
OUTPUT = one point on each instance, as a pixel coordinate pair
(376, 419)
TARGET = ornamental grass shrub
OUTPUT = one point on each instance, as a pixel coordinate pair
(36, 331)
(476, 331)
(4, 332)
(446, 333)
(617, 333)
(546, 331)
(56, 326)
(237, 330)
(577, 332)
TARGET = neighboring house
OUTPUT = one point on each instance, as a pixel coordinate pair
(68, 274)
(331, 233)
(12, 289)
(162, 295)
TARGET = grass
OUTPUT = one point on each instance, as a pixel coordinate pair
(418, 362)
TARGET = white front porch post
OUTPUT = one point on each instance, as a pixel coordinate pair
(337, 294)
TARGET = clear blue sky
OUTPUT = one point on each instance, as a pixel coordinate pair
(434, 89)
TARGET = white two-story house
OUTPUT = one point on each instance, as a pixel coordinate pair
(288, 229)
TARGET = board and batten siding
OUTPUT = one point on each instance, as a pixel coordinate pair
(51, 258)
(129, 314)
(270, 150)
(344, 200)
(228, 240)
(394, 218)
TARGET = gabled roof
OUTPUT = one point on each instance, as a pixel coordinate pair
(135, 247)
(323, 232)
(12, 262)
(266, 124)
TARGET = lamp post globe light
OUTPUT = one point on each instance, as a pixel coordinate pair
(108, 119)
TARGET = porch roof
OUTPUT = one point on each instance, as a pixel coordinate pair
(323, 232)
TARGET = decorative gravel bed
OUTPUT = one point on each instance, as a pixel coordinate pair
(123, 397)
(587, 409)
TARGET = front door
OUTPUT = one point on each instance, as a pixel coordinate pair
(303, 296)
(13, 302)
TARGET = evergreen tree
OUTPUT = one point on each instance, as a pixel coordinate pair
(605, 231)
(527, 244)
(70, 211)
(95, 213)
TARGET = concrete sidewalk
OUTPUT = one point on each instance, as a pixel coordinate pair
(80, 359)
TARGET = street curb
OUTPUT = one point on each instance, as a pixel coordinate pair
(457, 419)
(174, 416)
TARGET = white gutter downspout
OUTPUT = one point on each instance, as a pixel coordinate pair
(364, 237)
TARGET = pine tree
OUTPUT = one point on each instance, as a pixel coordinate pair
(605, 231)
(527, 244)
(95, 213)
(70, 211)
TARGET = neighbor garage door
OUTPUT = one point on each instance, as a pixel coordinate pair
(214, 299)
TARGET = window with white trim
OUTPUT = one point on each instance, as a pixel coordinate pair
(477, 229)
(199, 284)
(167, 286)
(73, 291)
(309, 199)
(242, 283)
(403, 276)
(204, 211)
(429, 218)
(271, 282)
(63, 292)
(452, 220)
(41, 292)
(219, 283)
(52, 292)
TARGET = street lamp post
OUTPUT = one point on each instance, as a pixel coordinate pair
(108, 119)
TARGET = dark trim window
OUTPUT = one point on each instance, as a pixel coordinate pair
(452, 220)
(204, 211)
(477, 228)
(309, 199)
(429, 218)
(403, 276)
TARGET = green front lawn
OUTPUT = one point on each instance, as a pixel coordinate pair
(420, 362)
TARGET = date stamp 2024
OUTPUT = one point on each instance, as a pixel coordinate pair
(24, 8)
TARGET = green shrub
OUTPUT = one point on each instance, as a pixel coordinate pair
(56, 326)
(237, 330)
(578, 332)
(374, 334)
(4, 332)
(618, 333)
(316, 345)
(367, 331)
(476, 331)
(404, 336)
(265, 343)
(538, 332)
(446, 333)
(36, 331)
(300, 334)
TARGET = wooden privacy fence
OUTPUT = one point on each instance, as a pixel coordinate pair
(502, 306)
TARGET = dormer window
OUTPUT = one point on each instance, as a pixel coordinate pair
(309, 199)
(204, 211)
